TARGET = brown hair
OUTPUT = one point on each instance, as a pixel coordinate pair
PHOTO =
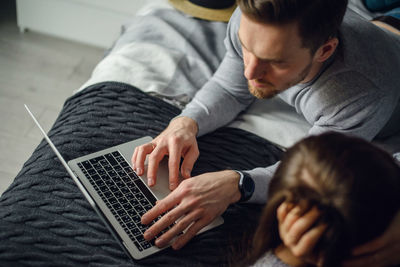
(318, 20)
(354, 184)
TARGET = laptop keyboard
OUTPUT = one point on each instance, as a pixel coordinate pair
(124, 193)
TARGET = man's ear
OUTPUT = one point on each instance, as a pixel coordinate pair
(327, 49)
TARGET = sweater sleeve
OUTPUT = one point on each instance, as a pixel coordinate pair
(226, 94)
(261, 177)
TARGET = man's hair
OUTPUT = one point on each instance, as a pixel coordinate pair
(318, 20)
(354, 184)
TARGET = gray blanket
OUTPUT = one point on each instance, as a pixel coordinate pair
(45, 221)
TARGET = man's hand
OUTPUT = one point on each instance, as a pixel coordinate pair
(382, 251)
(195, 203)
(177, 140)
(298, 232)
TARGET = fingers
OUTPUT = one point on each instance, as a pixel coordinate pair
(297, 230)
(175, 152)
(302, 225)
(308, 240)
(154, 160)
(161, 207)
(189, 158)
(178, 229)
(283, 210)
(289, 237)
(190, 233)
(190, 208)
(139, 156)
(175, 213)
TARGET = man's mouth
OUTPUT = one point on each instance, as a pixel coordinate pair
(258, 84)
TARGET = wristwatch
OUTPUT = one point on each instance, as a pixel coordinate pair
(246, 186)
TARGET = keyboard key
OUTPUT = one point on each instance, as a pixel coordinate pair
(86, 164)
(131, 225)
(110, 182)
(127, 206)
(121, 173)
(125, 190)
(117, 168)
(103, 162)
(111, 159)
(91, 172)
(146, 245)
(123, 200)
(124, 164)
(97, 166)
(146, 192)
(121, 212)
(120, 159)
(107, 194)
(114, 189)
(112, 173)
(103, 189)
(144, 202)
(136, 219)
(117, 206)
(112, 200)
(138, 246)
(135, 232)
(126, 178)
(132, 212)
(142, 227)
(138, 208)
(108, 168)
(134, 202)
(126, 219)
(133, 175)
(140, 238)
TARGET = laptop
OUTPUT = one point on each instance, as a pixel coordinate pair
(118, 195)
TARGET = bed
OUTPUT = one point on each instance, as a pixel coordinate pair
(157, 64)
(44, 219)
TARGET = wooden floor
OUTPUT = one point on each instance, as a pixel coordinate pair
(39, 71)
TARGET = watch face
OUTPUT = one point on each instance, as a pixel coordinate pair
(246, 185)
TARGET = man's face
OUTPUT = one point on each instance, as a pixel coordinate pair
(273, 56)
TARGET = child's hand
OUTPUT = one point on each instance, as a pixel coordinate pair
(297, 232)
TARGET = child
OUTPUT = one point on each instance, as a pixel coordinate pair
(348, 188)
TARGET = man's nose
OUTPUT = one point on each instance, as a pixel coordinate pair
(253, 69)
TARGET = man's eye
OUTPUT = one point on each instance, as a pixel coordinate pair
(281, 65)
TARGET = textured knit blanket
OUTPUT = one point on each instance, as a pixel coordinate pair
(45, 221)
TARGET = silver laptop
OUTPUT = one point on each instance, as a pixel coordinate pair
(118, 195)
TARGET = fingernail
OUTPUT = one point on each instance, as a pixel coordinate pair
(160, 242)
(172, 186)
(187, 173)
(133, 165)
(139, 171)
(147, 235)
(150, 181)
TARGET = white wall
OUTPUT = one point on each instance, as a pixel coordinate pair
(94, 22)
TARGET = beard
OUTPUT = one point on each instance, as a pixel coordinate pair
(269, 90)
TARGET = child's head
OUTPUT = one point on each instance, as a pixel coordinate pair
(355, 185)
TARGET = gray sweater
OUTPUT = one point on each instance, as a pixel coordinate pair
(269, 260)
(356, 92)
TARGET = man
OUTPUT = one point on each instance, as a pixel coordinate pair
(339, 76)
